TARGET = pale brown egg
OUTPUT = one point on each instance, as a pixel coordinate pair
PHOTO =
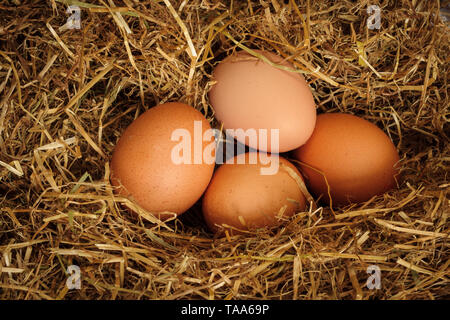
(148, 162)
(252, 94)
(356, 157)
(241, 197)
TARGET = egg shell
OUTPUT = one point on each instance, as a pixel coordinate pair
(250, 93)
(357, 158)
(142, 165)
(241, 197)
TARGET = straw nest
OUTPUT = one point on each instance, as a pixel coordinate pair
(68, 94)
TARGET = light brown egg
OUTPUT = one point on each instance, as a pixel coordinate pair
(357, 158)
(144, 162)
(241, 197)
(253, 94)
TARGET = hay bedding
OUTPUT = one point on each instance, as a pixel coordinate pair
(66, 96)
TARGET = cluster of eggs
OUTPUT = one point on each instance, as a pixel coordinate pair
(341, 158)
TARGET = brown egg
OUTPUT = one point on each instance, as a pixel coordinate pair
(251, 94)
(147, 160)
(240, 196)
(357, 158)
